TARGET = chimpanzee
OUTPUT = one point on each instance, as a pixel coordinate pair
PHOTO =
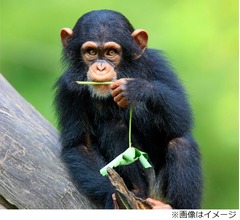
(93, 119)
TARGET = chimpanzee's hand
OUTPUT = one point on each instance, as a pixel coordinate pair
(119, 92)
(127, 90)
(156, 204)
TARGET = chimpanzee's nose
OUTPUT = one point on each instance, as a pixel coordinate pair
(101, 66)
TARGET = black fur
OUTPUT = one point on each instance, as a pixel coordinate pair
(162, 120)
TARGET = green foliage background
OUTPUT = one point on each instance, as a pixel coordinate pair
(199, 37)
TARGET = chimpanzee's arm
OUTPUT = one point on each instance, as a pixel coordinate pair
(82, 161)
(165, 103)
(182, 175)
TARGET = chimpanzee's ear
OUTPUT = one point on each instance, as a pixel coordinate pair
(141, 38)
(66, 34)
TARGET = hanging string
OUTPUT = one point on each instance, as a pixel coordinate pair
(130, 126)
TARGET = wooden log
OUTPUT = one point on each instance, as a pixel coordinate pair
(32, 175)
(125, 198)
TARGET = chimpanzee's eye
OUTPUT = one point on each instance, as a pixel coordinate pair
(111, 52)
(92, 52)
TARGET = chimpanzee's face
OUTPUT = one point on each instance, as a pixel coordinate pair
(101, 59)
(101, 56)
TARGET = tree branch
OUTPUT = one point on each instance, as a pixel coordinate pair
(32, 175)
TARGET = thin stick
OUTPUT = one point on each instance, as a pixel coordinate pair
(92, 83)
(130, 126)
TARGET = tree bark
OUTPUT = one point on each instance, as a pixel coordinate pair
(32, 175)
(125, 199)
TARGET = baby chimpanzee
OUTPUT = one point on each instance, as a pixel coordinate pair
(103, 46)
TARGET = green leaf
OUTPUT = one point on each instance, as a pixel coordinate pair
(127, 157)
